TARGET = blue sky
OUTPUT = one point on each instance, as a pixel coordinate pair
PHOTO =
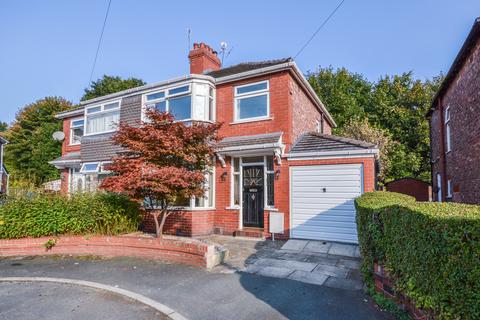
(47, 47)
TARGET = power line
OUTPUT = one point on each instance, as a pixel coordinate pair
(100, 40)
(319, 28)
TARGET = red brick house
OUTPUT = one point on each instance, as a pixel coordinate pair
(3, 171)
(455, 127)
(277, 152)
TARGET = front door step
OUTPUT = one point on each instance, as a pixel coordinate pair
(250, 232)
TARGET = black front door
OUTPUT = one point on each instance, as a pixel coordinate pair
(253, 184)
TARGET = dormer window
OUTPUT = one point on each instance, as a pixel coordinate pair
(103, 118)
(193, 101)
(76, 131)
(252, 101)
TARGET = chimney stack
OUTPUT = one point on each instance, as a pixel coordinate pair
(203, 59)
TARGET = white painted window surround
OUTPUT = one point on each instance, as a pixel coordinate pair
(102, 118)
(449, 188)
(77, 129)
(448, 130)
(251, 101)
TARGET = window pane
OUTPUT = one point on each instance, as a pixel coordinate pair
(111, 120)
(236, 164)
(252, 159)
(180, 108)
(270, 179)
(269, 163)
(178, 90)
(161, 106)
(181, 201)
(211, 181)
(199, 202)
(252, 107)
(94, 109)
(95, 124)
(210, 108)
(156, 95)
(111, 106)
(77, 123)
(236, 190)
(90, 167)
(77, 134)
(253, 87)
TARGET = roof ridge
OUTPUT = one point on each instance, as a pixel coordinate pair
(351, 141)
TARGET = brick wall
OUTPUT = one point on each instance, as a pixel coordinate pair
(419, 189)
(461, 164)
(66, 146)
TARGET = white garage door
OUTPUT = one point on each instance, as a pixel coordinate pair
(322, 201)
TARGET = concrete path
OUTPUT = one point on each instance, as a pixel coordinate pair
(334, 265)
(198, 294)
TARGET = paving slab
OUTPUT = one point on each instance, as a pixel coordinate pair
(348, 263)
(345, 284)
(317, 246)
(332, 271)
(357, 252)
(308, 277)
(295, 245)
(275, 272)
(293, 265)
(340, 249)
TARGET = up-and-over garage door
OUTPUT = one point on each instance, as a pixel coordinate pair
(322, 201)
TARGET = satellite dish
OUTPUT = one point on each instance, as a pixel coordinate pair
(58, 135)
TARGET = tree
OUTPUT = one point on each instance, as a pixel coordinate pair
(3, 126)
(396, 104)
(108, 85)
(164, 161)
(31, 144)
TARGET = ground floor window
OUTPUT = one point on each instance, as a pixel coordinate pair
(238, 163)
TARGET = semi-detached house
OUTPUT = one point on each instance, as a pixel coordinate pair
(277, 152)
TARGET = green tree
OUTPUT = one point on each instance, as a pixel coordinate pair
(108, 85)
(3, 126)
(31, 144)
(396, 104)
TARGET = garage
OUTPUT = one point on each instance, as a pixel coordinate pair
(326, 174)
(322, 201)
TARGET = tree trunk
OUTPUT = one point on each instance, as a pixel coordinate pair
(165, 214)
(158, 231)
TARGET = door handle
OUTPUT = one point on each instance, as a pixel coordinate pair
(324, 189)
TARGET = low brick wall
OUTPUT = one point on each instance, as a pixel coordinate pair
(183, 223)
(186, 251)
(384, 284)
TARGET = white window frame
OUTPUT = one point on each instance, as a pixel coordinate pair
(206, 201)
(70, 139)
(252, 94)
(102, 111)
(449, 188)
(97, 170)
(148, 104)
(448, 139)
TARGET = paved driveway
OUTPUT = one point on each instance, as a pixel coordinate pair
(198, 294)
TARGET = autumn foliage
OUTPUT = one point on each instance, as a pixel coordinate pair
(164, 161)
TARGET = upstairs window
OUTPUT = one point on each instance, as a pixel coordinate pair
(103, 118)
(252, 101)
(76, 131)
(177, 101)
(448, 130)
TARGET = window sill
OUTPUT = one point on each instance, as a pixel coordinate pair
(73, 144)
(233, 208)
(251, 120)
(99, 133)
(271, 209)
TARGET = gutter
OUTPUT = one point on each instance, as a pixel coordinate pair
(332, 153)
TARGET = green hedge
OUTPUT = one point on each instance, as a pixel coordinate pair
(45, 215)
(432, 250)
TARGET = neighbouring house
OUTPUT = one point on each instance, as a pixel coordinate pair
(455, 127)
(420, 190)
(277, 152)
(3, 171)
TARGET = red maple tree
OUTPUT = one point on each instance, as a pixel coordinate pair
(163, 161)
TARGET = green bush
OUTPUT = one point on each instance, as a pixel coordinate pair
(432, 250)
(45, 215)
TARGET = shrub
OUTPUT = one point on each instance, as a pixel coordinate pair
(431, 250)
(39, 215)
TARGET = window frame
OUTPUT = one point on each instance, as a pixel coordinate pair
(101, 111)
(256, 93)
(72, 127)
(206, 205)
(449, 189)
(448, 130)
(148, 104)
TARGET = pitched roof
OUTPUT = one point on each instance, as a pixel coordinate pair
(72, 156)
(318, 142)
(258, 139)
(3, 140)
(462, 56)
(246, 66)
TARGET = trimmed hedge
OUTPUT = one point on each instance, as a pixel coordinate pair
(44, 215)
(432, 250)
